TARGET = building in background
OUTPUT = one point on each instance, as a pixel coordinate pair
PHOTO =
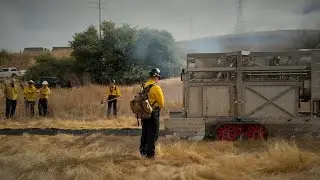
(61, 51)
(35, 50)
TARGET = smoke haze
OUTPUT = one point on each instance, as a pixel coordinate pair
(47, 23)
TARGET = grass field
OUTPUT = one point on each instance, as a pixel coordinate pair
(106, 157)
(84, 105)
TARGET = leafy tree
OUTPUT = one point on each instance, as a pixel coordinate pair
(118, 48)
(87, 50)
(123, 53)
(47, 65)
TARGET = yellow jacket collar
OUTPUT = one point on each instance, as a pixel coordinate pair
(151, 81)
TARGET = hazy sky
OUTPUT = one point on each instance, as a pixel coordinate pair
(47, 23)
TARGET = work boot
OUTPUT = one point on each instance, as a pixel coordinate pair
(150, 157)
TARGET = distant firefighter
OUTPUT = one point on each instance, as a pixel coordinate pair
(43, 100)
(113, 93)
(30, 97)
(11, 95)
(69, 84)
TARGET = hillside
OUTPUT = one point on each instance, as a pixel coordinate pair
(255, 41)
(25, 60)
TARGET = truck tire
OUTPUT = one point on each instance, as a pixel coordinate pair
(14, 75)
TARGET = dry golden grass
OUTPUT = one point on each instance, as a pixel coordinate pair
(83, 104)
(106, 157)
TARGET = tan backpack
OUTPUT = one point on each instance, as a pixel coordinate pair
(140, 104)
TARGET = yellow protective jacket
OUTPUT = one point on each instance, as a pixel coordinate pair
(30, 93)
(44, 93)
(155, 94)
(113, 91)
(11, 92)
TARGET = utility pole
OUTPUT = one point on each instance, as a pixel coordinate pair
(100, 7)
(99, 19)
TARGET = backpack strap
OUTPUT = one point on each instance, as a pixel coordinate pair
(142, 87)
(147, 89)
(111, 89)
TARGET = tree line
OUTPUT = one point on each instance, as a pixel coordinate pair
(123, 53)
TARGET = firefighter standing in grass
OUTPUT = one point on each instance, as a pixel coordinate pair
(30, 97)
(44, 93)
(113, 92)
(150, 126)
(11, 95)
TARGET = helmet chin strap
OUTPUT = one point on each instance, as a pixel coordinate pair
(155, 78)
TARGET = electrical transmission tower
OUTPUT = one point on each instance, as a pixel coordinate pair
(233, 44)
(240, 24)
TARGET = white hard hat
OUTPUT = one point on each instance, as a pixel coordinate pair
(30, 81)
(44, 83)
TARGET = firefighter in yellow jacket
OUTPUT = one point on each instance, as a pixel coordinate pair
(11, 95)
(30, 97)
(150, 126)
(113, 93)
(44, 93)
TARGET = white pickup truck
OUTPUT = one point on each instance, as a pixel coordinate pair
(11, 72)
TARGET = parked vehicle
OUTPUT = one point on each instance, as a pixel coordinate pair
(53, 82)
(11, 72)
